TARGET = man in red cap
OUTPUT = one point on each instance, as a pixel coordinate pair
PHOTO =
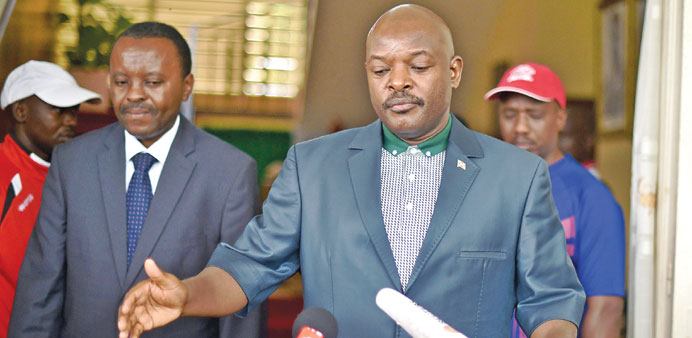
(531, 115)
(42, 100)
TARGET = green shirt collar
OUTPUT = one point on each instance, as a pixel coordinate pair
(435, 145)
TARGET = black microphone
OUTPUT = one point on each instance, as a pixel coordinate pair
(315, 322)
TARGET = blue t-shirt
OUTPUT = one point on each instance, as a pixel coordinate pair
(594, 230)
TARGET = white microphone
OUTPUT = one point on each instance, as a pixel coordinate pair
(414, 319)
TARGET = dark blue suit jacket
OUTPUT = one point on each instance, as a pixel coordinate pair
(75, 273)
(494, 241)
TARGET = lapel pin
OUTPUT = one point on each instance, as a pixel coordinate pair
(461, 164)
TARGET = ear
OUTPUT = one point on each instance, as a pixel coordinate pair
(188, 84)
(20, 111)
(455, 68)
(561, 117)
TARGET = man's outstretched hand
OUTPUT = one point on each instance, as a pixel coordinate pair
(151, 303)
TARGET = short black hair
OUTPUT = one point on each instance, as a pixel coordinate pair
(152, 29)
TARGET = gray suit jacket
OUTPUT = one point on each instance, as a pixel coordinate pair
(494, 241)
(74, 274)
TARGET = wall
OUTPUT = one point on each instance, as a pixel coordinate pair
(559, 33)
(28, 36)
(336, 86)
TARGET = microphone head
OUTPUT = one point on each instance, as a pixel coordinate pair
(318, 319)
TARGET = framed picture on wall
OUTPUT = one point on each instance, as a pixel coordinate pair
(613, 65)
(620, 33)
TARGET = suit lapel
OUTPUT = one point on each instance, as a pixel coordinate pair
(364, 168)
(111, 166)
(455, 184)
(174, 178)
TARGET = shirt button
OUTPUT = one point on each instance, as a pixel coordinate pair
(409, 206)
(394, 152)
(411, 177)
(427, 153)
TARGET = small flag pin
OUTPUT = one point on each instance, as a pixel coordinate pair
(461, 164)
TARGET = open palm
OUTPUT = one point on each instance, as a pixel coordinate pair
(151, 303)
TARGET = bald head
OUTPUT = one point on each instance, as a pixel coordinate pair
(411, 70)
(410, 21)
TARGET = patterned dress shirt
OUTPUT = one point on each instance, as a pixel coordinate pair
(410, 180)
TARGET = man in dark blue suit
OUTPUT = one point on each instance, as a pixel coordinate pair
(461, 223)
(152, 185)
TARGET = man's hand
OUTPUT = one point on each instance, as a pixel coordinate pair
(151, 303)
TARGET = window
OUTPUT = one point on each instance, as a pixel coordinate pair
(240, 48)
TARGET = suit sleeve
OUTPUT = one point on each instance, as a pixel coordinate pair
(242, 203)
(38, 302)
(267, 252)
(547, 285)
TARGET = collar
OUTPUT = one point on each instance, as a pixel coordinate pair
(159, 149)
(33, 156)
(435, 145)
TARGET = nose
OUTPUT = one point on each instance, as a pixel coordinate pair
(136, 92)
(522, 126)
(400, 78)
(69, 117)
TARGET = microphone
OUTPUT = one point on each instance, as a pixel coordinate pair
(315, 322)
(414, 319)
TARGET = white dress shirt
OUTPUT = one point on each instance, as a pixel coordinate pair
(159, 149)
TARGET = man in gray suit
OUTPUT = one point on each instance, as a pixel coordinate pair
(152, 185)
(461, 223)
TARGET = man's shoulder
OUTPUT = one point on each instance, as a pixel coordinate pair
(580, 183)
(336, 143)
(90, 142)
(575, 175)
(6, 163)
(209, 146)
(7, 169)
(340, 137)
(505, 156)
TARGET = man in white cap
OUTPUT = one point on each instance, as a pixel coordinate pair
(531, 115)
(42, 100)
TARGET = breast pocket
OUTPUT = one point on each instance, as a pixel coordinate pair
(482, 254)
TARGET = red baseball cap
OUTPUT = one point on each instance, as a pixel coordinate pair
(533, 80)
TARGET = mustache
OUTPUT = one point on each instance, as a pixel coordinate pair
(523, 140)
(138, 105)
(401, 98)
(68, 132)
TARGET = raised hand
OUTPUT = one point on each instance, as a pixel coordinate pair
(151, 303)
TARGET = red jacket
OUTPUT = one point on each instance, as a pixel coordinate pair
(21, 181)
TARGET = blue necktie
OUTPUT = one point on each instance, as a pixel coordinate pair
(138, 198)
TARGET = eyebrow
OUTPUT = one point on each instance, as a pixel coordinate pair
(147, 74)
(414, 54)
(419, 52)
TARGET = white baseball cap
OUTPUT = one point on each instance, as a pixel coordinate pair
(49, 82)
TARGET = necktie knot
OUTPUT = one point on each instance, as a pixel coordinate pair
(143, 161)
